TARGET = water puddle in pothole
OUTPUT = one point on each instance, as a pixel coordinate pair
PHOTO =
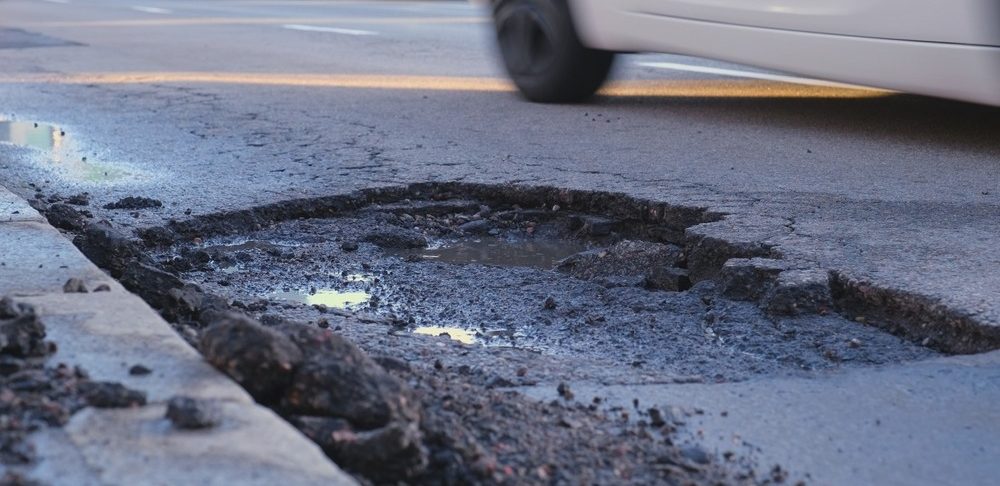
(344, 298)
(332, 298)
(463, 336)
(61, 152)
(501, 252)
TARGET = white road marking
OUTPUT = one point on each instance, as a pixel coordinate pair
(334, 30)
(748, 74)
(153, 10)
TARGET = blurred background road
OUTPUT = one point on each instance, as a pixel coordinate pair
(218, 104)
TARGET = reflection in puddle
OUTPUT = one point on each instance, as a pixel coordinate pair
(457, 334)
(60, 149)
(334, 299)
(503, 252)
(32, 135)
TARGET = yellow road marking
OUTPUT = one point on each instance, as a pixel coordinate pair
(651, 88)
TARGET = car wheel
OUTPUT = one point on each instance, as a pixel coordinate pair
(543, 53)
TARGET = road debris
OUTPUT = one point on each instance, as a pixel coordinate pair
(192, 413)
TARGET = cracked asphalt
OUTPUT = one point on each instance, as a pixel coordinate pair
(215, 105)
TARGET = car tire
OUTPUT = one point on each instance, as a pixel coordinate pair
(543, 54)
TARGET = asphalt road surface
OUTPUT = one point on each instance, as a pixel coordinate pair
(221, 104)
(212, 105)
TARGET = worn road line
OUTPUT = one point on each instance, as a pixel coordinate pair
(332, 30)
(153, 10)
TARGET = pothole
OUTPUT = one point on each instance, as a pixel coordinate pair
(466, 293)
(591, 280)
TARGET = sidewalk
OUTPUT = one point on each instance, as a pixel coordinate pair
(106, 333)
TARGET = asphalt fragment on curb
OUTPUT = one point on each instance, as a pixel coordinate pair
(35, 394)
(59, 306)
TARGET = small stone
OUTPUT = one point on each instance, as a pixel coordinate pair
(522, 371)
(477, 227)
(569, 423)
(22, 333)
(75, 286)
(499, 382)
(656, 418)
(696, 454)
(550, 303)
(139, 370)
(190, 413)
(564, 391)
(102, 394)
(349, 246)
(102, 288)
(854, 343)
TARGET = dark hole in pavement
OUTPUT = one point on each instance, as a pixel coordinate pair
(565, 281)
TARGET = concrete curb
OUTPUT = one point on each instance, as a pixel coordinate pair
(108, 332)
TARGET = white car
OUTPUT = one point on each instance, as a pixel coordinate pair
(562, 50)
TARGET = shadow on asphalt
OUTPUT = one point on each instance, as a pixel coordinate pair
(918, 120)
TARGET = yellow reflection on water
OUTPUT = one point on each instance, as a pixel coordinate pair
(334, 299)
(337, 299)
(456, 334)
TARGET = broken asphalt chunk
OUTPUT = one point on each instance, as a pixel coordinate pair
(262, 360)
